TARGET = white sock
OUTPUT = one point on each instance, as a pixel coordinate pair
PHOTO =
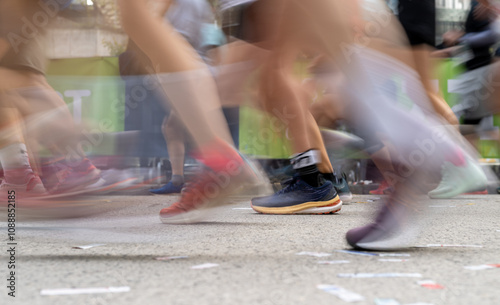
(14, 156)
(16, 164)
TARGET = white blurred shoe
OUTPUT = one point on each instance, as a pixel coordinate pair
(457, 180)
(112, 181)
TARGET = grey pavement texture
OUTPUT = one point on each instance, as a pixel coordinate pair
(256, 255)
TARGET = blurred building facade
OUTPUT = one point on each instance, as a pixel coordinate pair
(451, 15)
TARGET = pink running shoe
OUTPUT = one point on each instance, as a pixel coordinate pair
(61, 178)
(32, 187)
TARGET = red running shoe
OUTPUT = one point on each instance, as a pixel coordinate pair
(225, 173)
(383, 189)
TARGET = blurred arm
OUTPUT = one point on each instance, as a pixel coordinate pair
(4, 47)
(481, 39)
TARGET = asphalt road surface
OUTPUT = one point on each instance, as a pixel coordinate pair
(255, 255)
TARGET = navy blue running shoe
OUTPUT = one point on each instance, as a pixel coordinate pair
(168, 188)
(298, 197)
